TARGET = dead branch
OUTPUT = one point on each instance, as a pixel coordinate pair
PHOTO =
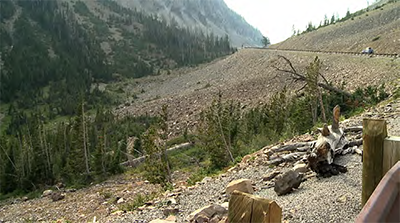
(353, 129)
(294, 75)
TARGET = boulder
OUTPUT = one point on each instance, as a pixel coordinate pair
(300, 168)
(56, 196)
(245, 207)
(171, 218)
(243, 185)
(289, 180)
(206, 213)
(47, 193)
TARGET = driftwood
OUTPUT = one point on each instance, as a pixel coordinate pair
(319, 154)
(331, 142)
(134, 162)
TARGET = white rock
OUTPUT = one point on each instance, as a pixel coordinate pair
(301, 168)
(47, 193)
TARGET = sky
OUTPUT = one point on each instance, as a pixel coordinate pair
(275, 18)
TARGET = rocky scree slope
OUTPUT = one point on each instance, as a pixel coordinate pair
(249, 78)
(207, 16)
(378, 28)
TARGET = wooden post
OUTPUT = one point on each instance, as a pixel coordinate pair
(391, 153)
(374, 133)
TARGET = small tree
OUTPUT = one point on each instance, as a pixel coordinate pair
(265, 41)
(155, 165)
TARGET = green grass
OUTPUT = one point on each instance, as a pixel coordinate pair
(18, 193)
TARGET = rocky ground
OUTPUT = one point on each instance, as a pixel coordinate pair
(335, 199)
(246, 76)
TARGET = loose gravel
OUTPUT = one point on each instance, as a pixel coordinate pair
(334, 199)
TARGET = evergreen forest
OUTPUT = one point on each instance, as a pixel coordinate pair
(57, 124)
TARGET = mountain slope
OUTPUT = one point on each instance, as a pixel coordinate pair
(54, 50)
(207, 16)
(378, 29)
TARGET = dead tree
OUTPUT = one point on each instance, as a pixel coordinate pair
(331, 142)
(298, 77)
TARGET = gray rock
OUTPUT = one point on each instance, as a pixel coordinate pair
(206, 213)
(170, 211)
(56, 196)
(289, 180)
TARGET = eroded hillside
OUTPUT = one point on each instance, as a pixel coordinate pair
(248, 76)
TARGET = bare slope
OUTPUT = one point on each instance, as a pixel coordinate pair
(379, 29)
(247, 76)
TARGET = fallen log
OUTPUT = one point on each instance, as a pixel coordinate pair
(137, 161)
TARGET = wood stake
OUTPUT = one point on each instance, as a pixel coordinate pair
(374, 133)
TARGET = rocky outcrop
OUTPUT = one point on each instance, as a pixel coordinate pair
(208, 16)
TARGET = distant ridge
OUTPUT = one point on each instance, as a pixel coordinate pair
(207, 16)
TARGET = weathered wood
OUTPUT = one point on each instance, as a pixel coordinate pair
(134, 162)
(353, 129)
(357, 142)
(249, 208)
(391, 153)
(291, 147)
(330, 142)
(374, 133)
(285, 158)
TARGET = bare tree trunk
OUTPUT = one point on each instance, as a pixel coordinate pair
(321, 103)
(44, 147)
(228, 149)
(167, 162)
(84, 140)
(103, 152)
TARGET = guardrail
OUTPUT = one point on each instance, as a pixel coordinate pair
(392, 55)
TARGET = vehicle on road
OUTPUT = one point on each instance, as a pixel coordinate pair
(368, 50)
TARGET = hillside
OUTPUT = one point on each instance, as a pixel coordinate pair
(248, 77)
(207, 16)
(34, 157)
(63, 49)
(378, 28)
